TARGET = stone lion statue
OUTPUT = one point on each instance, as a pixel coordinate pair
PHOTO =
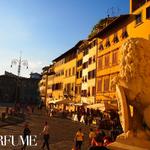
(133, 87)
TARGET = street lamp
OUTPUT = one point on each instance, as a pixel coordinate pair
(20, 62)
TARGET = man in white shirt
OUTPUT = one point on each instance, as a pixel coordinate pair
(45, 133)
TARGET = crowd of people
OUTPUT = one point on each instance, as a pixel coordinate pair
(108, 121)
(97, 140)
(104, 126)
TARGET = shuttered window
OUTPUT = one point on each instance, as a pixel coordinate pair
(115, 57)
(106, 84)
(100, 63)
(107, 60)
(93, 91)
(99, 85)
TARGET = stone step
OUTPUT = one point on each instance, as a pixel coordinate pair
(123, 146)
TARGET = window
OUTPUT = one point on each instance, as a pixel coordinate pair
(85, 79)
(100, 64)
(73, 71)
(138, 18)
(99, 85)
(85, 52)
(79, 63)
(89, 91)
(78, 89)
(124, 33)
(94, 59)
(101, 47)
(57, 86)
(148, 13)
(90, 60)
(107, 60)
(115, 39)
(62, 72)
(115, 57)
(89, 46)
(107, 43)
(91, 74)
(72, 87)
(80, 73)
(93, 44)
(84, 93)
(68, 87)
(137, 4)
(85, 65)
(106, 84)
(77, 75)
(93, 91)
(69, 72)
(66, 73)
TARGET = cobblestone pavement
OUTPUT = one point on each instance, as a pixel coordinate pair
(62, 132)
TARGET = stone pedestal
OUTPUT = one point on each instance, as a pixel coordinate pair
(130, 144)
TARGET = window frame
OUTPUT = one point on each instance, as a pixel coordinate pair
(148, 12)
(137, 22)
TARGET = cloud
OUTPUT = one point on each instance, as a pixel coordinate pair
(36, 66)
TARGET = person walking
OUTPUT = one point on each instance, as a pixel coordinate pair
(45, 133)
(98, 140)
(91, 136)
(79, 137)
(26, 133)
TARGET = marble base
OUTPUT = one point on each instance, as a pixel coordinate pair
(130, 144)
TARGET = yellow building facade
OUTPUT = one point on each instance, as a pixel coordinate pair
(84, 73)
(140, 27)
(57, 87)
(50, 81)
(92, 50)
(78, 83)
(70, 75)
(43, 84)
(110, 40)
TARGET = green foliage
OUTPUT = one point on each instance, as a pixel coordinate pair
(101, 24)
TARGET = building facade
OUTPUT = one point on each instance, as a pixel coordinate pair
(84, 73)
(57, 86)
(79, 67)
(14, 89)
(43, 84)
(84, 85)
(50, 81)
(92, 50)
(111, 39)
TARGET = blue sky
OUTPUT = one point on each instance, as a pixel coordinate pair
(44, 29)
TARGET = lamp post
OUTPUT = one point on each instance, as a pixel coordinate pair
(18, 62)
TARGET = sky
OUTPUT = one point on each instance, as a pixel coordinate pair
(44, 29)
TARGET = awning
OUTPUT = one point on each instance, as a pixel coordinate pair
(53, 101)
(102, 106)
(81, 104)
(64, 101)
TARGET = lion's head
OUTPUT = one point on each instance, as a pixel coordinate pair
(134, 73)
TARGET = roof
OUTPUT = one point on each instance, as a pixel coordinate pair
(113, 24)
(69, 51)
(45, 68)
